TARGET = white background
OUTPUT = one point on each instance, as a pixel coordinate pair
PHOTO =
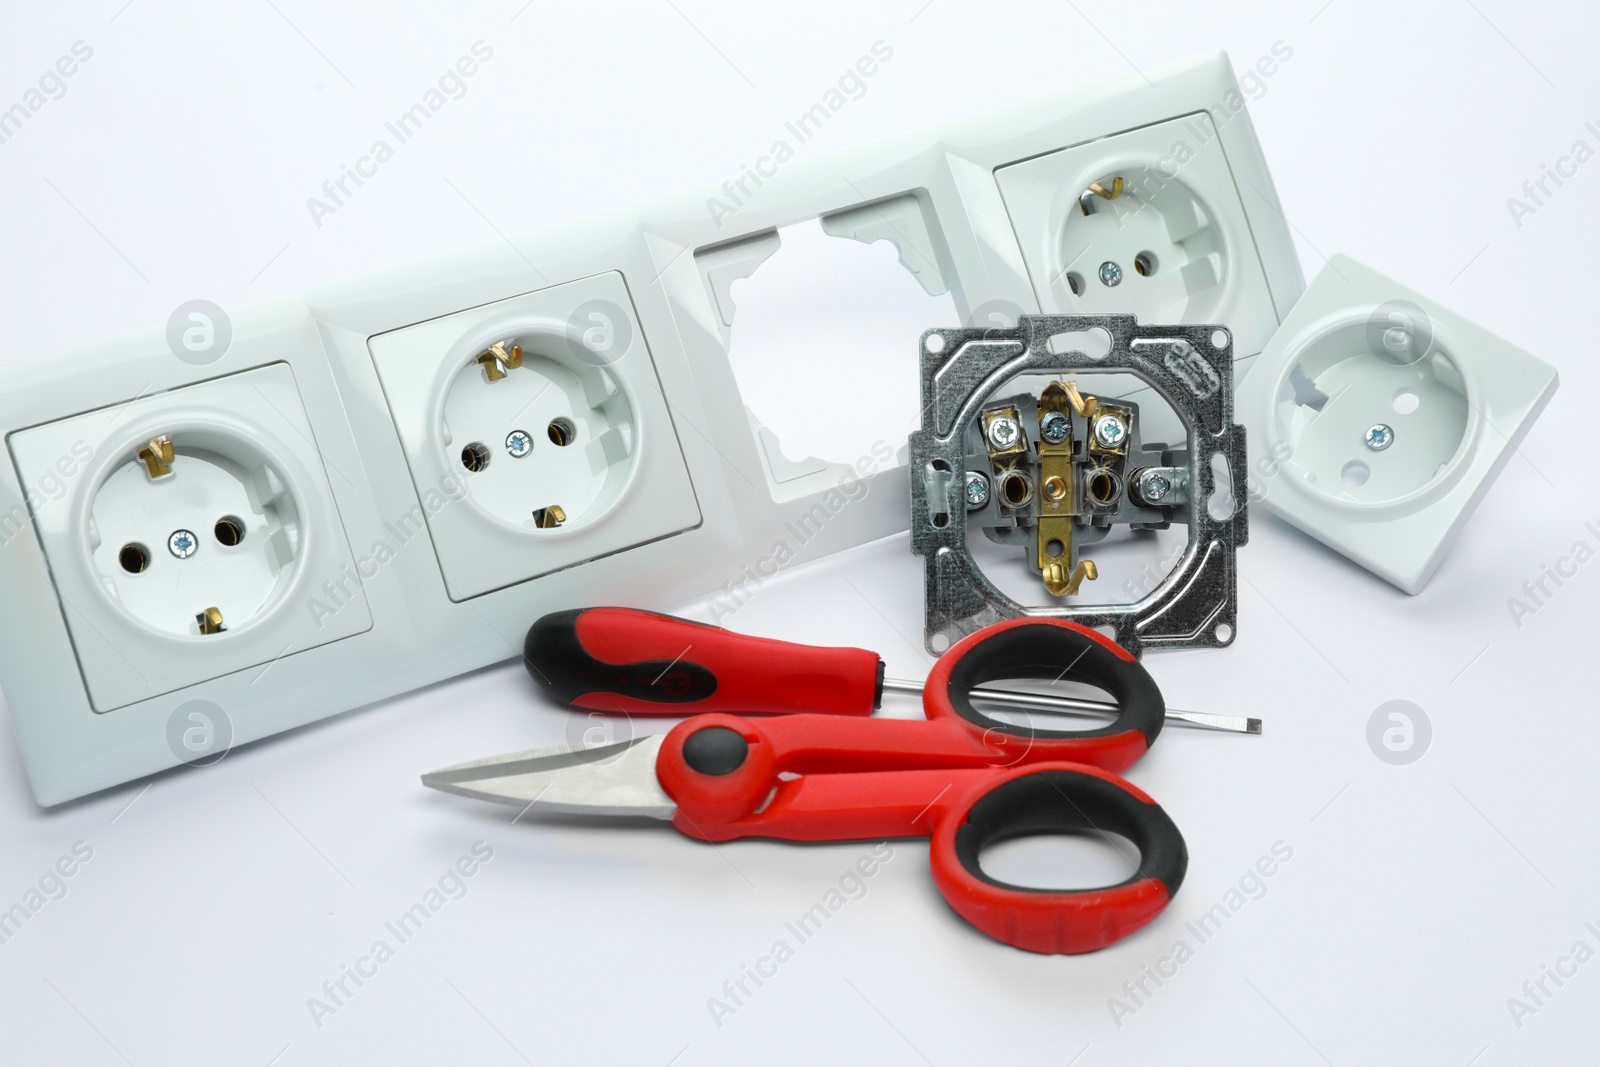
(1419, 897)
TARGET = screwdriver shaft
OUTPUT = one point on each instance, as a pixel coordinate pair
(1237, 724)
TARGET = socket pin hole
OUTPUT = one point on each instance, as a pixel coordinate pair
(1016, 489)
(1103, 487)
(1145, 263)
(475, 457)
(1054, 548)
(229, 530)
(562, 432)
(134, 557)
(1075, 282)
(1406, 401)
(1355, 473)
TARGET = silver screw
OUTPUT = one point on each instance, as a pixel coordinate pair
(1154, 486)
(1003, 432)
(1109, 430)
(1055, 426)
(1110, 273)
(519, 443)
(1379, 437)
(977, 490)
(183, 543)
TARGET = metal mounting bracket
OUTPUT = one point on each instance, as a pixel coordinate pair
(1191, 367)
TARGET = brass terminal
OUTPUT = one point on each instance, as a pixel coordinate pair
(210, 621)
(1062, 583)
(497, 361)
(549, 518)
(1099, 190)
(1083, 405)
(157, 456)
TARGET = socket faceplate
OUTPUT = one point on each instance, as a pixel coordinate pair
(581, 425)
(243, 450)
(1380, 419)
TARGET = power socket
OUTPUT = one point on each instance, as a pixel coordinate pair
(1381, 418)
(1152, 223)
(367, 440)
(191, 541)
(565, 457)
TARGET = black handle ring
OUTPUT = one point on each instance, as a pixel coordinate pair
(1055, 801)
(1051, 650)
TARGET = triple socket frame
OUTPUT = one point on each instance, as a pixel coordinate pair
(412, 580)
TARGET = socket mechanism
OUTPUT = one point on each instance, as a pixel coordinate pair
(1068, 466)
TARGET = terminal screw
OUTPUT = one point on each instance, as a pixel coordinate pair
(1110, 273)
(977, 490)
(1154, 486)
(1003, 433)
(1379, 437)
(1054, 427)
(1110, 430)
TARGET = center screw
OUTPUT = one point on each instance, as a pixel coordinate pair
(1110, 273)
(1379, 437)
(1109, 430)
(519, 443)
(977, 490)
(1003, 432)
(183, 543)
(1054, 427)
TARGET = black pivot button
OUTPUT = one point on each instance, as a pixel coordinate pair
(715, 750)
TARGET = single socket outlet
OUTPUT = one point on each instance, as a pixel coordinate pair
(1378, 419)
(1149, 223)
(193, 536)
(536, 433)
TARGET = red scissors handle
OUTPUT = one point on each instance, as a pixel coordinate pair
(963, 810)
(959, 777)
(1052, 650)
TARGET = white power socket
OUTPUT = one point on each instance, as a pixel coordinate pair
(564, 459)
(392, 530)
(1171, 244)
(238, 519)
(1379, 419)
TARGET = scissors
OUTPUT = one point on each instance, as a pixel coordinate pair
(959, 777)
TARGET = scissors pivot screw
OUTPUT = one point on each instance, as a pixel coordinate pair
(716, 750)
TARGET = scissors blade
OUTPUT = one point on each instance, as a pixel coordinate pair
(617, 779)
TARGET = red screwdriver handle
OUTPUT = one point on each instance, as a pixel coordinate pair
(644, 663)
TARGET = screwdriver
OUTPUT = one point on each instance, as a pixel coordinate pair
(642, 663)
